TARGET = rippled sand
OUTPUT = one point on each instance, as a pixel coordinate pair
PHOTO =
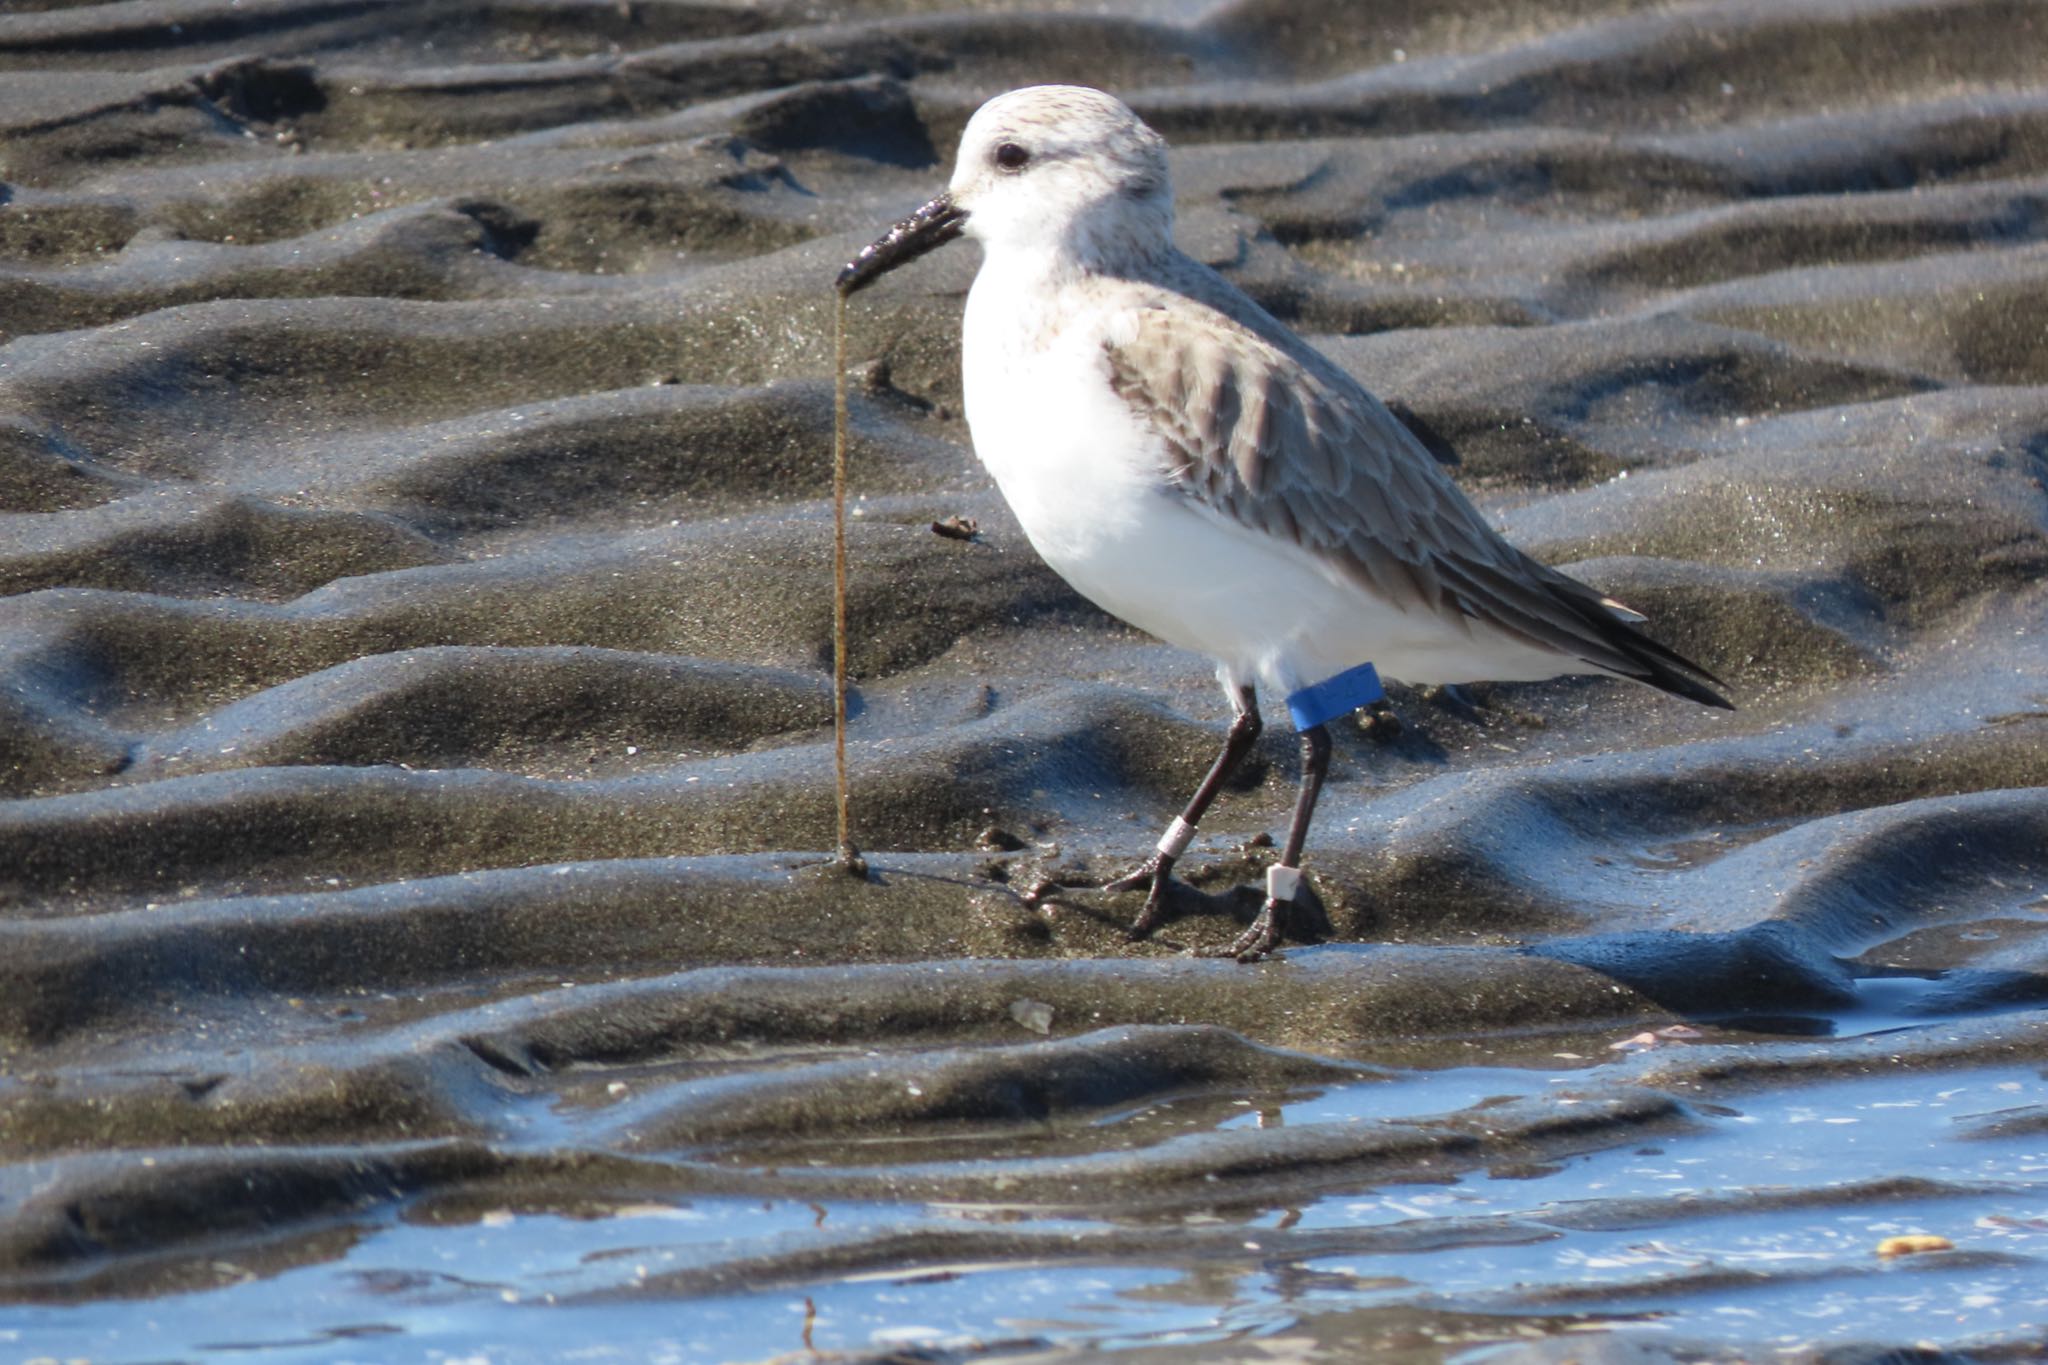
(414, 700)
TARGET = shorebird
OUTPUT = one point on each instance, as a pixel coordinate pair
(1190, 465)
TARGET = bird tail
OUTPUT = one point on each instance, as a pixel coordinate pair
(1654, 663)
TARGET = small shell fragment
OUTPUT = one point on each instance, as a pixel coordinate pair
(1035, 1015)
(1914, 1243)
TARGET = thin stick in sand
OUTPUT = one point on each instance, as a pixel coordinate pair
(849, 856)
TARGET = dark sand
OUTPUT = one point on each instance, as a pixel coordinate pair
(414, 678)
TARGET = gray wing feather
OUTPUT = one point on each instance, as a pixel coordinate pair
(1269, 433)
(1301, 452)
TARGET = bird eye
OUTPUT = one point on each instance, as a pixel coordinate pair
(1011, 157)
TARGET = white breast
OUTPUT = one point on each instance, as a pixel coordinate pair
(1069, 456)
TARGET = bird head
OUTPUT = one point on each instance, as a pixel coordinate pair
(1050, 168)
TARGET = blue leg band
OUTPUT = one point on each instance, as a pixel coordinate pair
(1323, 702)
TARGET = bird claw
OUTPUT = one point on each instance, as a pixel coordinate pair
(1151, 870)
(1157, 870)
(1255, 943)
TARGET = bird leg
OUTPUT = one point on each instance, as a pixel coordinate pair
(1158, 869)
(1284, 877)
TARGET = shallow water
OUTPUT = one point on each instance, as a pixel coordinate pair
(1759, 1224)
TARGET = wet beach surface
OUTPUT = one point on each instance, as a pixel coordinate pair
(415, 752)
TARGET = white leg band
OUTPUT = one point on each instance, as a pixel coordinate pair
(1178, 836)
(1282, 883)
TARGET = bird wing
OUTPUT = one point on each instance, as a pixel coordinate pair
(1280, 440)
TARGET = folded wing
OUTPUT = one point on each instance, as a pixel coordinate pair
(1284, 442)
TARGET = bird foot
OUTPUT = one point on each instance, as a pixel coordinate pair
(1156, 870)
(1150, 870)
(1255, 943)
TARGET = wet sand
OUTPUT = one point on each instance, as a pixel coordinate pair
(415, 753)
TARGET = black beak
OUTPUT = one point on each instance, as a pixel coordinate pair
(934, 225)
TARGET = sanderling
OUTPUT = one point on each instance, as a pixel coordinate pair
(1190, 465)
